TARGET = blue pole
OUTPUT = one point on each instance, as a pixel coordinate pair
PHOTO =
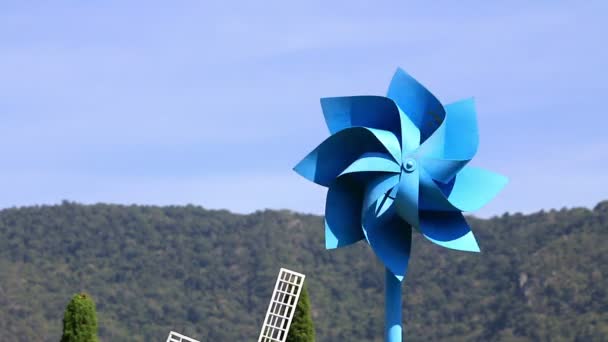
(392, 308)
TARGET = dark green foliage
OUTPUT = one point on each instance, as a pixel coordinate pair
(302, 329)
(209, 274)
(80, 320)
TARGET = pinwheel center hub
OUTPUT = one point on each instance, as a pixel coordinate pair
(409, 165)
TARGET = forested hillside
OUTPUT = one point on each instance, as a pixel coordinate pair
(209, 274)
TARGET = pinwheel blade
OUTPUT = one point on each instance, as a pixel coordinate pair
(406, 199)
(419, 104)
(391, 241)
(340, 150)
(448, 229)
(474, 187)
(471, 189)
(410, 134)
(378, 193)
(342, 214)
(453, 144)
(442, 170)
(457, 138)
(366, 111)
(373, 162)
(432, 196)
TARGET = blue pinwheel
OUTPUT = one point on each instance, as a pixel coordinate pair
(395, 163)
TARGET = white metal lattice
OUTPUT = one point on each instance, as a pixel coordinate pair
(282, 306)
(175, 337)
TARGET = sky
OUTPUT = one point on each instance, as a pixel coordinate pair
(213, 103)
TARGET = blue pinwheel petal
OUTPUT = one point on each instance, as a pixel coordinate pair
(373, 162)
(470, 190)
(366, 111)
(448, 229)
(410, 135)
(378, 193)
(407, 196)
(474, 187)
(453, 144)
(340, 150)
(424, 110)
(343, 214)
(432, 196)
(457, 138)
(391, 241)
(442, 170)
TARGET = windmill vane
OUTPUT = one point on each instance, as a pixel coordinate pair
(396, 164)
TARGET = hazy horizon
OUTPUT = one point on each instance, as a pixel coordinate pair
(471, 214)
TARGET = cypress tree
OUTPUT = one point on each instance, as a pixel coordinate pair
(80, 320)
(302, 329)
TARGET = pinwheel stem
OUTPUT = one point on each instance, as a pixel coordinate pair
(392, 308)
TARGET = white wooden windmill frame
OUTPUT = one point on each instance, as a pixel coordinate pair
(282, 306)
(176, 337)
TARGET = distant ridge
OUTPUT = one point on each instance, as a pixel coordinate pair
(209, 274)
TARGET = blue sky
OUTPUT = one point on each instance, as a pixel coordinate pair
(175, 102)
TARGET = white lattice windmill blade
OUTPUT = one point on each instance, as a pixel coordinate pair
(176, 337)
(282, 306)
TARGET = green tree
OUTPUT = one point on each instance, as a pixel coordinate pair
(302, 329)
(80, 320)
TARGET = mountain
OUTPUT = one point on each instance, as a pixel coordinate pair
(209, 274)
